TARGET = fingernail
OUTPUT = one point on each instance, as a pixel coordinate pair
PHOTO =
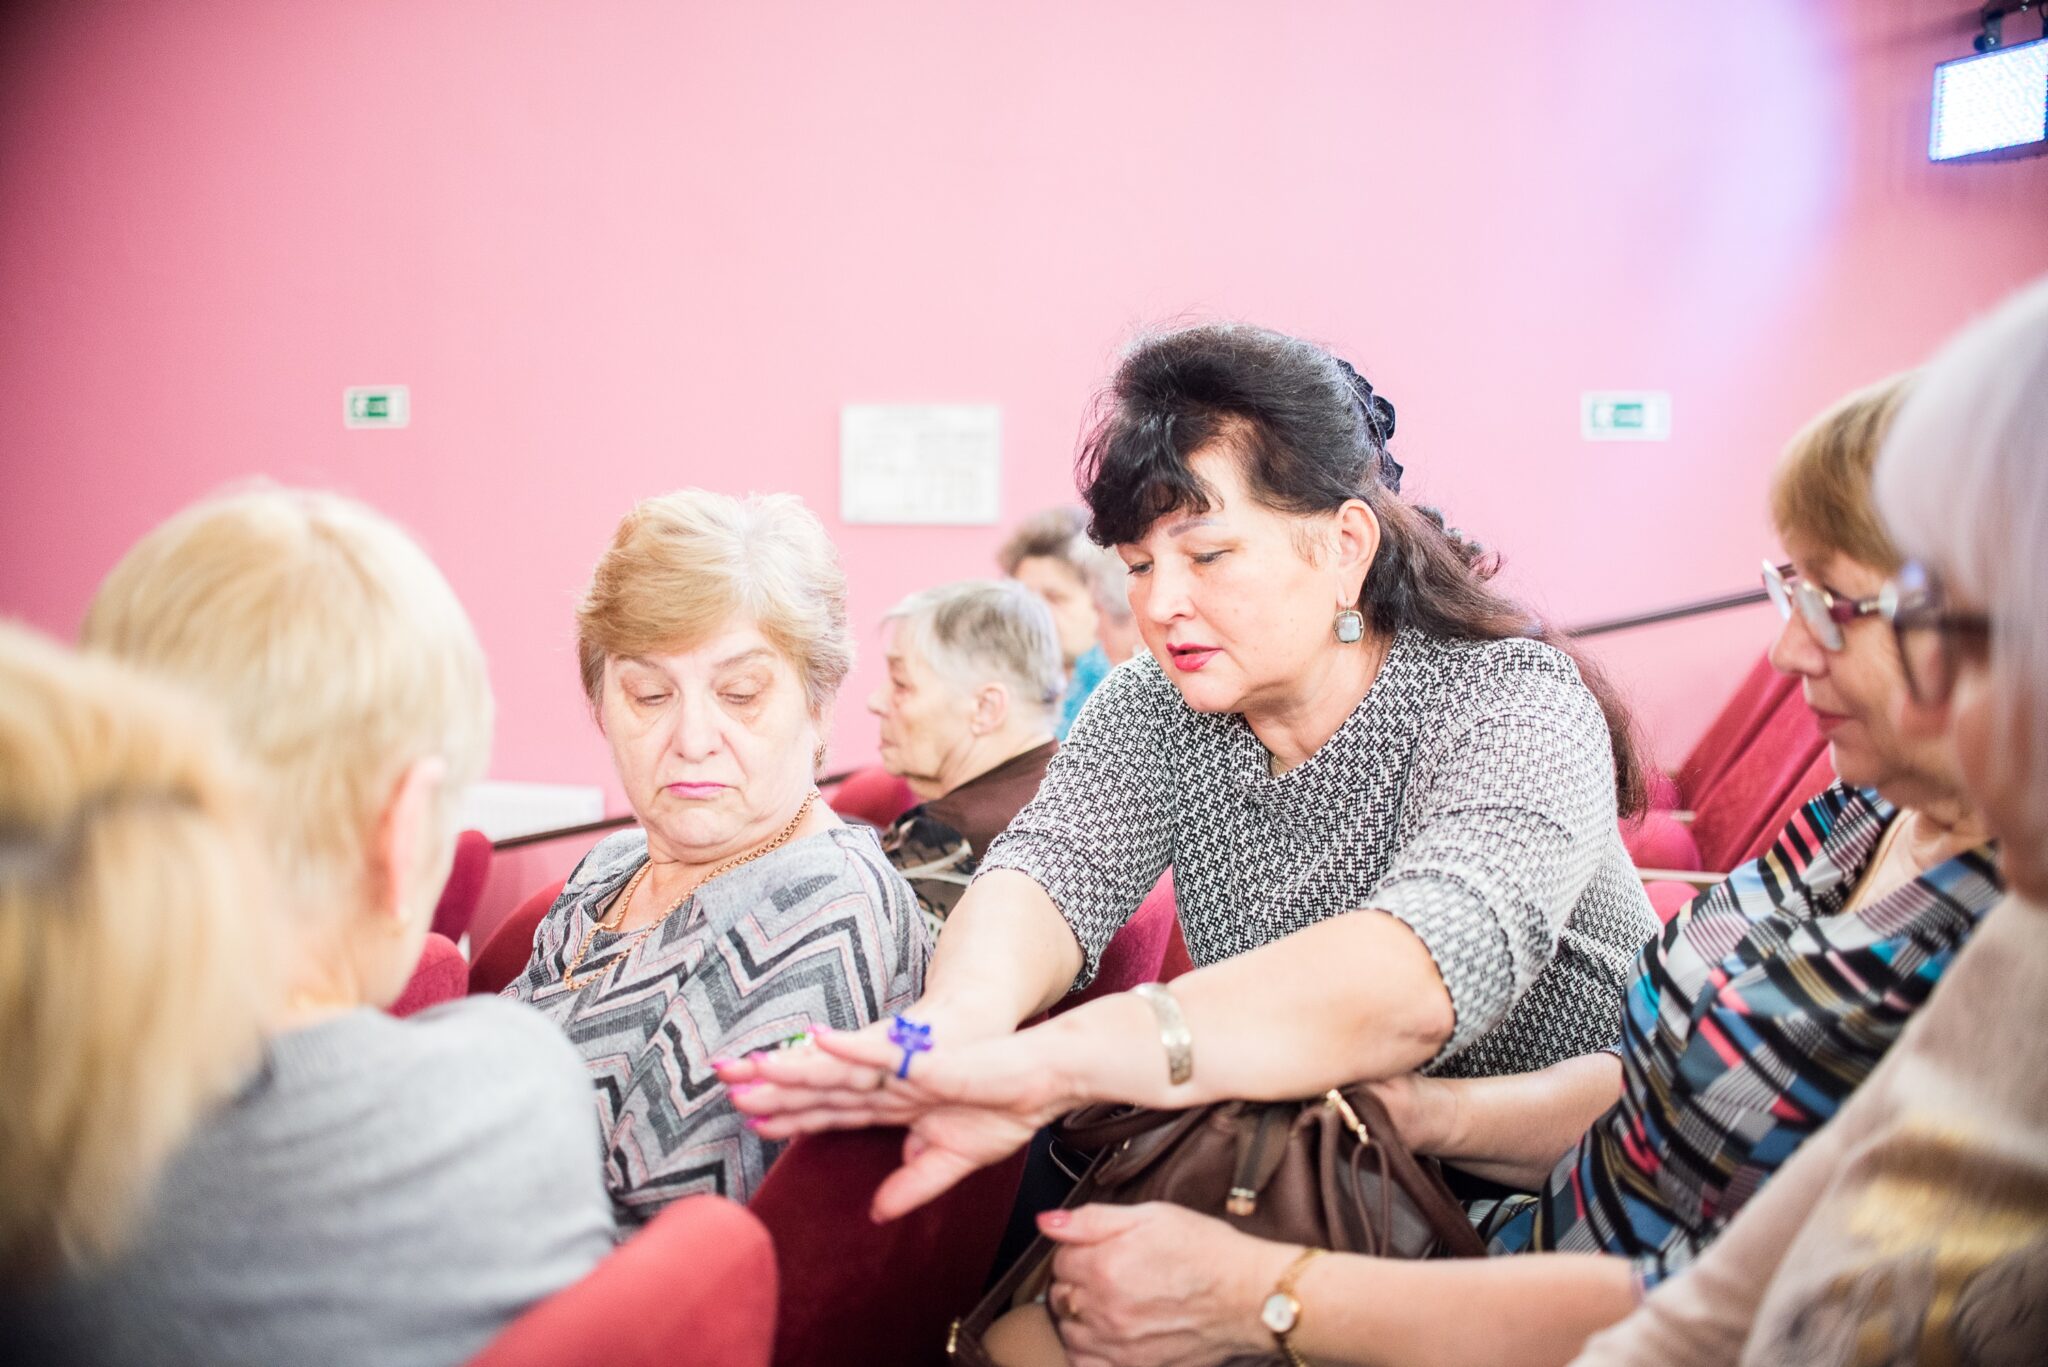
(721, 1064)
(738, 1088)
(823, 1030)
(1052, 1219)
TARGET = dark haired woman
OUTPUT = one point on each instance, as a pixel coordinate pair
(1389, 804)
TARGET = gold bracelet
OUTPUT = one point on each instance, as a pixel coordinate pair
(1173, 1031)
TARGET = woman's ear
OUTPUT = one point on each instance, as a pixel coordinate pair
(1356, 542)
(403, 832)
(991, 709)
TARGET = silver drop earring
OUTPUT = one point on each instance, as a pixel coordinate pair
(1350, 626)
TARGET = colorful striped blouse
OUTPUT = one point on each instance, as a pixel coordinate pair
(1751, 1018)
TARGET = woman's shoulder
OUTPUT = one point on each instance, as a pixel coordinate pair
(1135, 699)
(1139, 682)
(827, 866)
(618, 853)
(1511, 659)
(1489, 677)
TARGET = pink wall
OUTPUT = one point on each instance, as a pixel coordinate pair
(620, 247)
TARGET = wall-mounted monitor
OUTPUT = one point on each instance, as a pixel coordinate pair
(1992, 105)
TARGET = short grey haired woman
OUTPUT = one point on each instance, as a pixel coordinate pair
(967, 716)
(741, 912)
(1387, 797)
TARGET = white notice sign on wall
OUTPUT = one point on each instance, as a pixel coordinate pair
(920, 464)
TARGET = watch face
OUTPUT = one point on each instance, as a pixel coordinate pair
(1279, 1312)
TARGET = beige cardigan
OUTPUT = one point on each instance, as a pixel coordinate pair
(1914, 1226)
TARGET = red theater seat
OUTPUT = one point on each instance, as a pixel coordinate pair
(696, 1286)
(1736, 817)
(1137, 953)
(465, 886)
(873, 795)
(1760, 696)
(867, 1295)
(511, 944)
(1656, 840)
(440, 976)
(1177, 960)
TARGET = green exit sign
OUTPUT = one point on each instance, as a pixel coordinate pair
(1625, 415)
(376, 405)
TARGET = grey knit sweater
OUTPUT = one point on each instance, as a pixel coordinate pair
(388, 1192)
(1470, 794)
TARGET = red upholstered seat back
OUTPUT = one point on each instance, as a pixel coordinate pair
(873, 795)
(1668, 897)
(465, 886)
(1743, 804)
(511, 944)
(869, 1295)
(1656, 841)
(1760, 696)
(1177, 960)
(440, 976)
(1817, 778)
(697, 1285)
(1137, 953)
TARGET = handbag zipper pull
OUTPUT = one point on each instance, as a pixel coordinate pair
(1335, 1101)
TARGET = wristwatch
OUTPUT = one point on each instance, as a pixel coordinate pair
(1281, 1313)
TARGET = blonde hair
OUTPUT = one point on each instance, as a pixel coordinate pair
(683, 565)
(1963, 481)
(1821, 492)
(133, 972)
(982, 628)
(339, 656)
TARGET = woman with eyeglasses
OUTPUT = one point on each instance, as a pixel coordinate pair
(1749, 1020)
(1914, 1227)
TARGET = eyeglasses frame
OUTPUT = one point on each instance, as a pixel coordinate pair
(1788, 588)
(1914, 599)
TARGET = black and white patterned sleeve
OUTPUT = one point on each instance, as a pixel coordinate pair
(1100, 831)
(1513, 824)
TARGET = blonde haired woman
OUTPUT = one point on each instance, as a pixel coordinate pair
(740, 913)
(1914, 1226)
(120, 1023)
(382, 1191)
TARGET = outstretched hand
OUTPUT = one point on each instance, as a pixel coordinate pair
(967, 1104)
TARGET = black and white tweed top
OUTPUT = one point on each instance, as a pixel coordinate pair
(1470, 794)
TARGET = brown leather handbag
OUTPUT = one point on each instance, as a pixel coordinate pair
(1329, 1172)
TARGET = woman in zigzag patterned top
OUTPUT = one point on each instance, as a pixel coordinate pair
(741, 913)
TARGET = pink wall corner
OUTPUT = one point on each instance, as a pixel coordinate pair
(617, 249)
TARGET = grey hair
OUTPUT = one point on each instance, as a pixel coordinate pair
(1963, 482)
(1108, 579)
(979, 630)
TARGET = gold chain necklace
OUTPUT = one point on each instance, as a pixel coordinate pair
(617, 915)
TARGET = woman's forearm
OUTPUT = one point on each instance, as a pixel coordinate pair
(1006, 954)
(1531, 1309)
(1353, 998)
(1514, 1129)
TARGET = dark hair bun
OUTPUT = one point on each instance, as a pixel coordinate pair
(1378, 412)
